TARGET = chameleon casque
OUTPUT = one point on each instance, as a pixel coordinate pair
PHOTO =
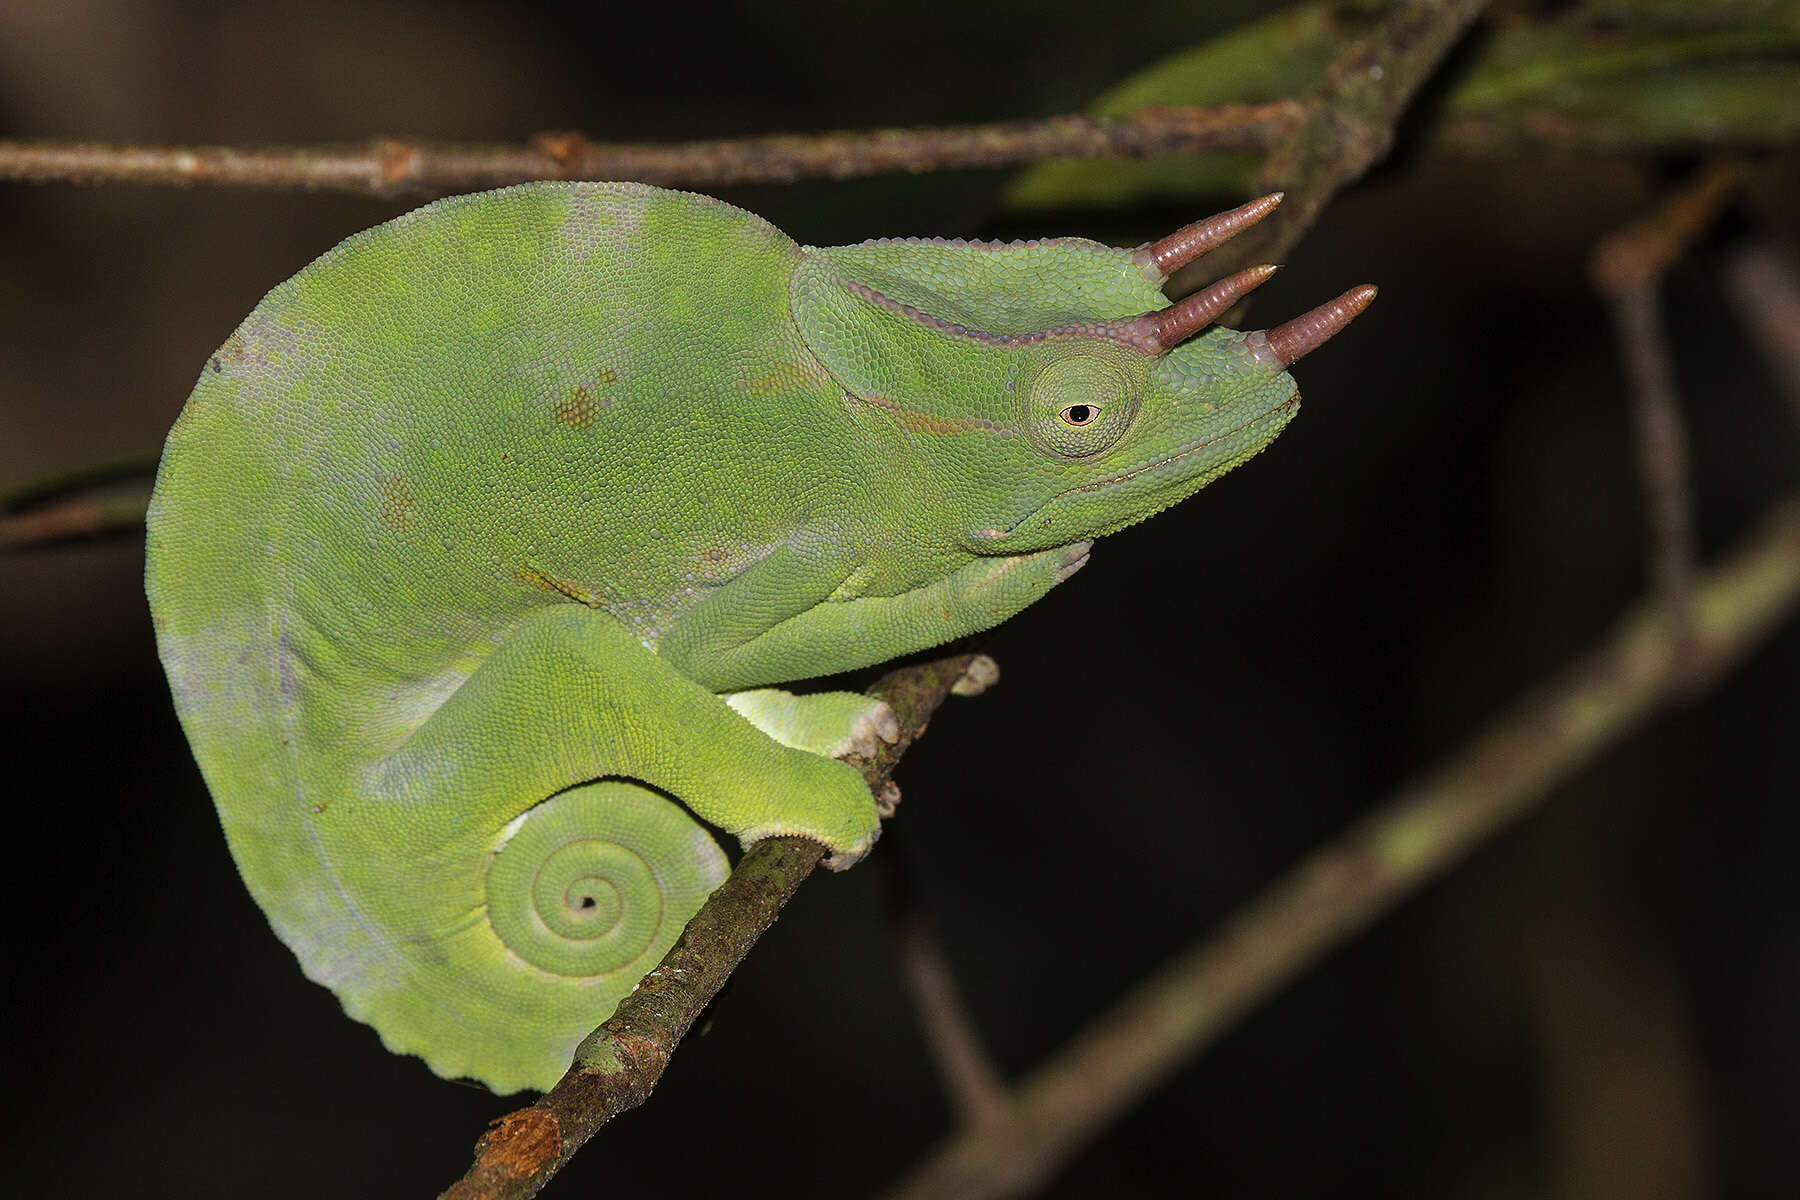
(479, 544)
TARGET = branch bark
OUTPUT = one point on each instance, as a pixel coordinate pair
(393, 167)
(1502, 774)
(618, 1065)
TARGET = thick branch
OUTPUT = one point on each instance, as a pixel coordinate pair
(411, 168)
(1417, 835)
(619, 1064)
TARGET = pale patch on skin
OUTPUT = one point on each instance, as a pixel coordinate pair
(599, 220)
(704, 852)
(212, 665)
(417, 700)
(832, 724)
(262, 349)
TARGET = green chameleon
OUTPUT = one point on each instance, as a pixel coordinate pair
(479, 543)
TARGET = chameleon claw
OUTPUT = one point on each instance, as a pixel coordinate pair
(981, 674)
(872, 728)
(843, 860)
(1074, 558)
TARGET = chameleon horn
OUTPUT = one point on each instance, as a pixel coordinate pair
(1191, 241)
(1160, 331)
(1307, 332)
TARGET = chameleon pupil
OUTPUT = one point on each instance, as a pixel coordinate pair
(1080, 414)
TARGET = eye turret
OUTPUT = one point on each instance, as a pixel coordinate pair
(1079, 405)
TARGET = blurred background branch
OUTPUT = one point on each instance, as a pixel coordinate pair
(1628, 267)
(1504, 772)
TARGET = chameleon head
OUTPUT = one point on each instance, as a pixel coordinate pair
(1138, 418)
(1077, 399)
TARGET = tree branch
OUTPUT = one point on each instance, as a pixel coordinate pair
(1627, 268)
(1417, 835)
(976, 1092)
(618, 1064)
(1350, 123)
(109, 498)
(392, 167)
(1766, 293)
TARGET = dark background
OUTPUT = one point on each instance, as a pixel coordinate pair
(1602, 1002)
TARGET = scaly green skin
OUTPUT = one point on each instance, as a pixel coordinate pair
(500, 498)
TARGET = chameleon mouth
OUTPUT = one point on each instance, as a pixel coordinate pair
(1286, 406)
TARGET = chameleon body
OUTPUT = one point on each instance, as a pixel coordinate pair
(478, 546)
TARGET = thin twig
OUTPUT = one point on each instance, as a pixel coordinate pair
(1662, 452)
(975, 1089)
(1628, 267)
(393, 167)
(1766, 293)
(396, 167)
(618, 1064)
(1417, 835)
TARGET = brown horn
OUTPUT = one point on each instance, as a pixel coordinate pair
(1182, 247)
(1161, 331)
(1307, 332)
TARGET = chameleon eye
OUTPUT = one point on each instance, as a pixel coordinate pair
(1079, 404)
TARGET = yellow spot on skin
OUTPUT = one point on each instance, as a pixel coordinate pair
(782, 377)
(397, 502)
(532, 577)
(923, 422)
(577, 406)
